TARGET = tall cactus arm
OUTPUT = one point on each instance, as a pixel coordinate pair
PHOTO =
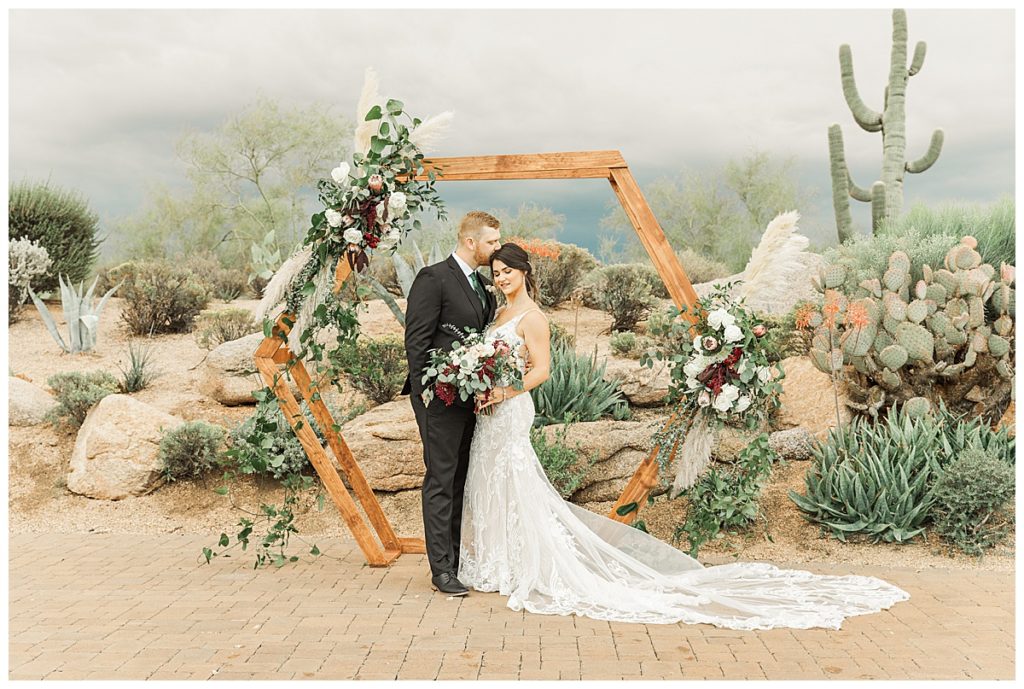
(840, 184)
(859, 193)
(877, 206)
(868, 119)
(915, 64)
(929, 158)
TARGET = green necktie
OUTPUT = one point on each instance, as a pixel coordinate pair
(475, 280)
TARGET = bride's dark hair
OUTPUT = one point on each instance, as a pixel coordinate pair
(515, 256)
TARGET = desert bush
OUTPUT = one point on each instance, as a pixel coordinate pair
(190, 450)
(970, 501)
(623, 343)
(224, 283)
(724, 499)
(563, 465)
(699, 268)
(993, 226)
(561, 336)
(27, 263)
(59, 221)
(624, 292)
(76, 393)
(215, 326)
(265, 444)
(139, 374)
(161, 297)
(559, 268)
(376, 367)
(576, 389)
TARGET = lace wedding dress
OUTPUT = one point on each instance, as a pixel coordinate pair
(549, 556)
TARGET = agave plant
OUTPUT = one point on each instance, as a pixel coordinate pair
(576, 387)
(406, 275)
(80, 314)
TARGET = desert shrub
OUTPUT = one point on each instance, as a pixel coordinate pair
(562, 464)
(27, 264)
(724, 499)
(623, 344)
(190, 450)
(76, 393)
(970, 498)
(559, 268)
(576, 389)
(215, 326)
(139, 373)
(867, 256)
(699, 268)
(560, 335)
(265, 444)
(993, 226)
(624, 292)
(161, 297)
(61, 222)
(375, 367)
(224, 283)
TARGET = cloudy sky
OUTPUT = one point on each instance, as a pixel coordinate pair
(99, 97)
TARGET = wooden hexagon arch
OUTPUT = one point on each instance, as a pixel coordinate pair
(273, 351)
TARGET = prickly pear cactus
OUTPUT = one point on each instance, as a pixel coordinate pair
(948, 337)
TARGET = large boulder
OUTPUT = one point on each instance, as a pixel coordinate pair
(116, 453)
(230, 375)
(27, 403)
(619, 448)
(386, 443)
(809, 400)
(642, 386)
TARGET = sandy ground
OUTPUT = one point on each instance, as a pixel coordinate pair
(39, 501)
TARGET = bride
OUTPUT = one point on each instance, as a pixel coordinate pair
(549, 556)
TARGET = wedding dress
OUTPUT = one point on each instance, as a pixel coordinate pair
(549, 556)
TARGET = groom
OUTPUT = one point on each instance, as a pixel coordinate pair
(450, 292)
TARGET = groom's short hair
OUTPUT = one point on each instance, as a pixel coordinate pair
(475, 221)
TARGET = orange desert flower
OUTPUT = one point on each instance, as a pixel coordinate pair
(803, 316)
(857, 315)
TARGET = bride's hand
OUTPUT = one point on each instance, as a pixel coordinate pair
(497, 396)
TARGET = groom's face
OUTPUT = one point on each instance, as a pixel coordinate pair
(486, 244)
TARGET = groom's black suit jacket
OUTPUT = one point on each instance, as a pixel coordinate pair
(441, 294)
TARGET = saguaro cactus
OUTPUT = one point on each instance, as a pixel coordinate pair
(886, 194)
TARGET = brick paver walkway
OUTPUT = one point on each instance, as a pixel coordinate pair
(116, 606)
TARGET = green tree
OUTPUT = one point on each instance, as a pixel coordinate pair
(530, 222)
(254, 175)
(720, 214)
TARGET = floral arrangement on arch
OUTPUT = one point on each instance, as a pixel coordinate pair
(369, 204)
(721, 373)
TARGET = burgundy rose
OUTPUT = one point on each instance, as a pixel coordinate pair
(371, 240)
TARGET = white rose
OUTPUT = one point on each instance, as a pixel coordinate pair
(728, 395)
(380, 210)
(720, 318)
(742, 403)
(742, 367)
(353, 236)
(333, 217)
(764, 373)
(696, 343)
(694, 366)
(396, 203)
(693, 383)
(733, 333)
(488, 350)
(394, 235)
(340, 175)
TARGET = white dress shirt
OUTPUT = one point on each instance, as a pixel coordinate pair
(465, 266)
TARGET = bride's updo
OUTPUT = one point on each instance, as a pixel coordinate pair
(514, 256)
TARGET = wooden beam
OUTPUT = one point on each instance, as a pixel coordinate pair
(526, 166)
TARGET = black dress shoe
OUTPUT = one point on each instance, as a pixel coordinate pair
(446, 582)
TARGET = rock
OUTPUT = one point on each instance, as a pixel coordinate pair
(808, 400)
(620, 447)
(642, 386)
(801, 288)
(730, 441)
(27, 403)
(386, 443)
(116, 454)
(1007, 421)
(794, 445)
(230, 375)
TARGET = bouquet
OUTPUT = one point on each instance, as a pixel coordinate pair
(721, 375)
(472, 365)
